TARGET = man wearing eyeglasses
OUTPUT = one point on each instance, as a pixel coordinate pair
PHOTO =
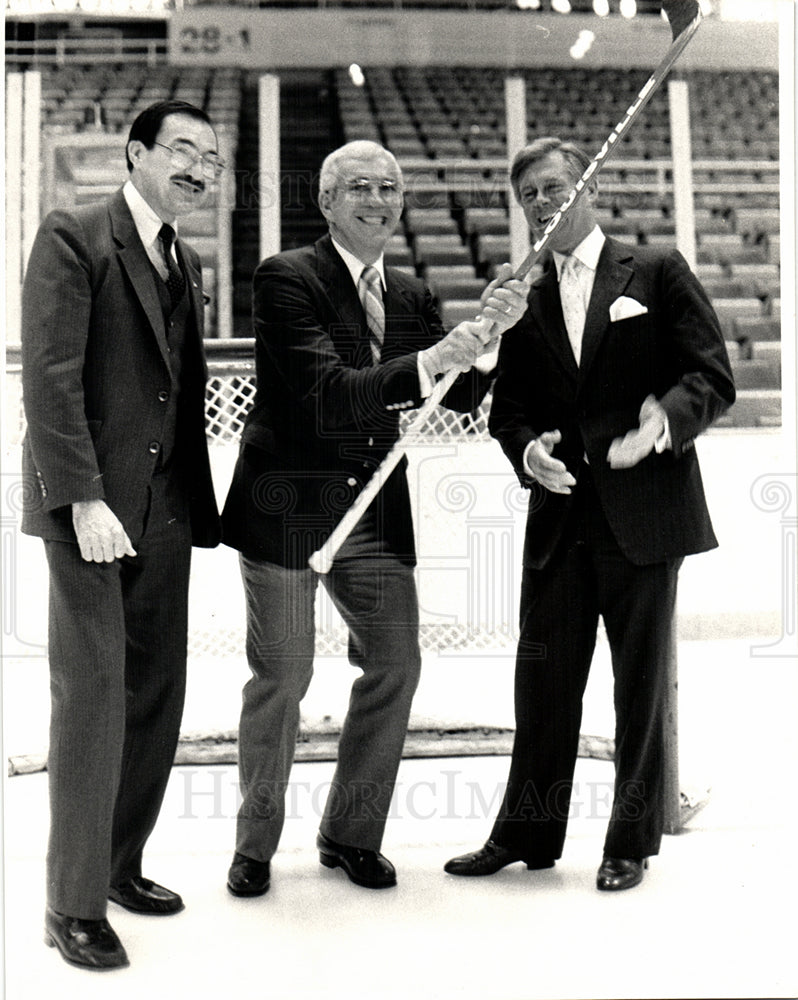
(120, 489)
(344, 344)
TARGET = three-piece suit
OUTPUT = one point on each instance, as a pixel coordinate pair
(114, 382)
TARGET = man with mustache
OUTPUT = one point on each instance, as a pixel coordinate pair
(343, 344)
(119, 487)
(603, 386)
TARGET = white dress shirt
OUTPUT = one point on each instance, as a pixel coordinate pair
(148, 225)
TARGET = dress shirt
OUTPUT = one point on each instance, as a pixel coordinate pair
(148, 225)
(355, 267)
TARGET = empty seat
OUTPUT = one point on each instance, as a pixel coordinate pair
(492, 249)
(757, 221)
(755, 373)
(729, 310)
(457, 282)
(730, 288)
(440, 250)
(429, 221)
(756, 328)
(485, 220)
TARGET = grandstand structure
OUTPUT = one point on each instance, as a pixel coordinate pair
(447, 125)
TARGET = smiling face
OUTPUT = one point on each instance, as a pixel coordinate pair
(173, 191)
(542, 188)
(363, 204)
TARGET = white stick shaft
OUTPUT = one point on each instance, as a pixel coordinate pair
(321, 560)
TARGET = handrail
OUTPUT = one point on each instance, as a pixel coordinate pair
(89, 50)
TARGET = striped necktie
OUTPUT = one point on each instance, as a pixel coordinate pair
(175, 281)
(370, 289)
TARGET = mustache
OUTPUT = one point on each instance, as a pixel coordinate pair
(185, 179)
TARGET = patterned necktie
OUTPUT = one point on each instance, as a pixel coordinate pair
(573, 303)
(175, 281)
(370, 289)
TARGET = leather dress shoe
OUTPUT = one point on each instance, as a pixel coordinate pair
(367, 868)
(620, 873)
(490, 859)
(248, 877)
(89, 944)
(142, 895)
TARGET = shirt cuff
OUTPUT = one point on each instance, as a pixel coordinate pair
(426, 377)
(485, 363)
(663, 442)
(525, 459)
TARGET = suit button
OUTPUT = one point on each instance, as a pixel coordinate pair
(351, 481)
(163, 395)
(371, 442)
(154, 448)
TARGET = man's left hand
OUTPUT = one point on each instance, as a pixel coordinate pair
(627, 451)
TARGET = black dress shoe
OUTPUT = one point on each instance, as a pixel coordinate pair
(248, 877)
(490, 859)
(620, 873)
(89, 944)
(367, 868)
(141, 895)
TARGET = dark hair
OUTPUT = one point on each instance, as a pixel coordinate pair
(577, 158)
(148, 124)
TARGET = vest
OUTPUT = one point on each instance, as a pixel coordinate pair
(179, 322)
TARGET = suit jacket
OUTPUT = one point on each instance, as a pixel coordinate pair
(673, 350)
(96, 376)
(324, 416)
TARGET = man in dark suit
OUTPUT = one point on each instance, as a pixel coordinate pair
(343, 345)
(120, 488)
(602, 388)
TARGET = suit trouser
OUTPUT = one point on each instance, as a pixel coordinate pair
(588, 576)
(117, 651)
(375, 594)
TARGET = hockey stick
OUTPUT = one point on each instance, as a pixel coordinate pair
(684, 17)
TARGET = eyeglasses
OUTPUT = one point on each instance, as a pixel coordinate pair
(360, 187)
(184, 157)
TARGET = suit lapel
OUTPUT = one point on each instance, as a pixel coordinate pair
(399, 302)
(340, 288)
(136, 264)
(613, 274)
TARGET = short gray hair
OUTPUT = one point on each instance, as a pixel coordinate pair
(359, 148)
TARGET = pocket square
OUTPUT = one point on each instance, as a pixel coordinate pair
(626, 308)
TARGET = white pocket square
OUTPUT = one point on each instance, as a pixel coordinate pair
(626, 308)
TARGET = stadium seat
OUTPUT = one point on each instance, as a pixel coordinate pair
(437, 250)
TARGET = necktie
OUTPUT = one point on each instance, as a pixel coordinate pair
(572, 298)
(175, 281)
(370, 289)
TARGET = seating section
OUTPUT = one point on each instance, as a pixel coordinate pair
(447, 128)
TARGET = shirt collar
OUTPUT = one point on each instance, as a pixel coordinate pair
(587, 252)
(146, 220)
(355, 265)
